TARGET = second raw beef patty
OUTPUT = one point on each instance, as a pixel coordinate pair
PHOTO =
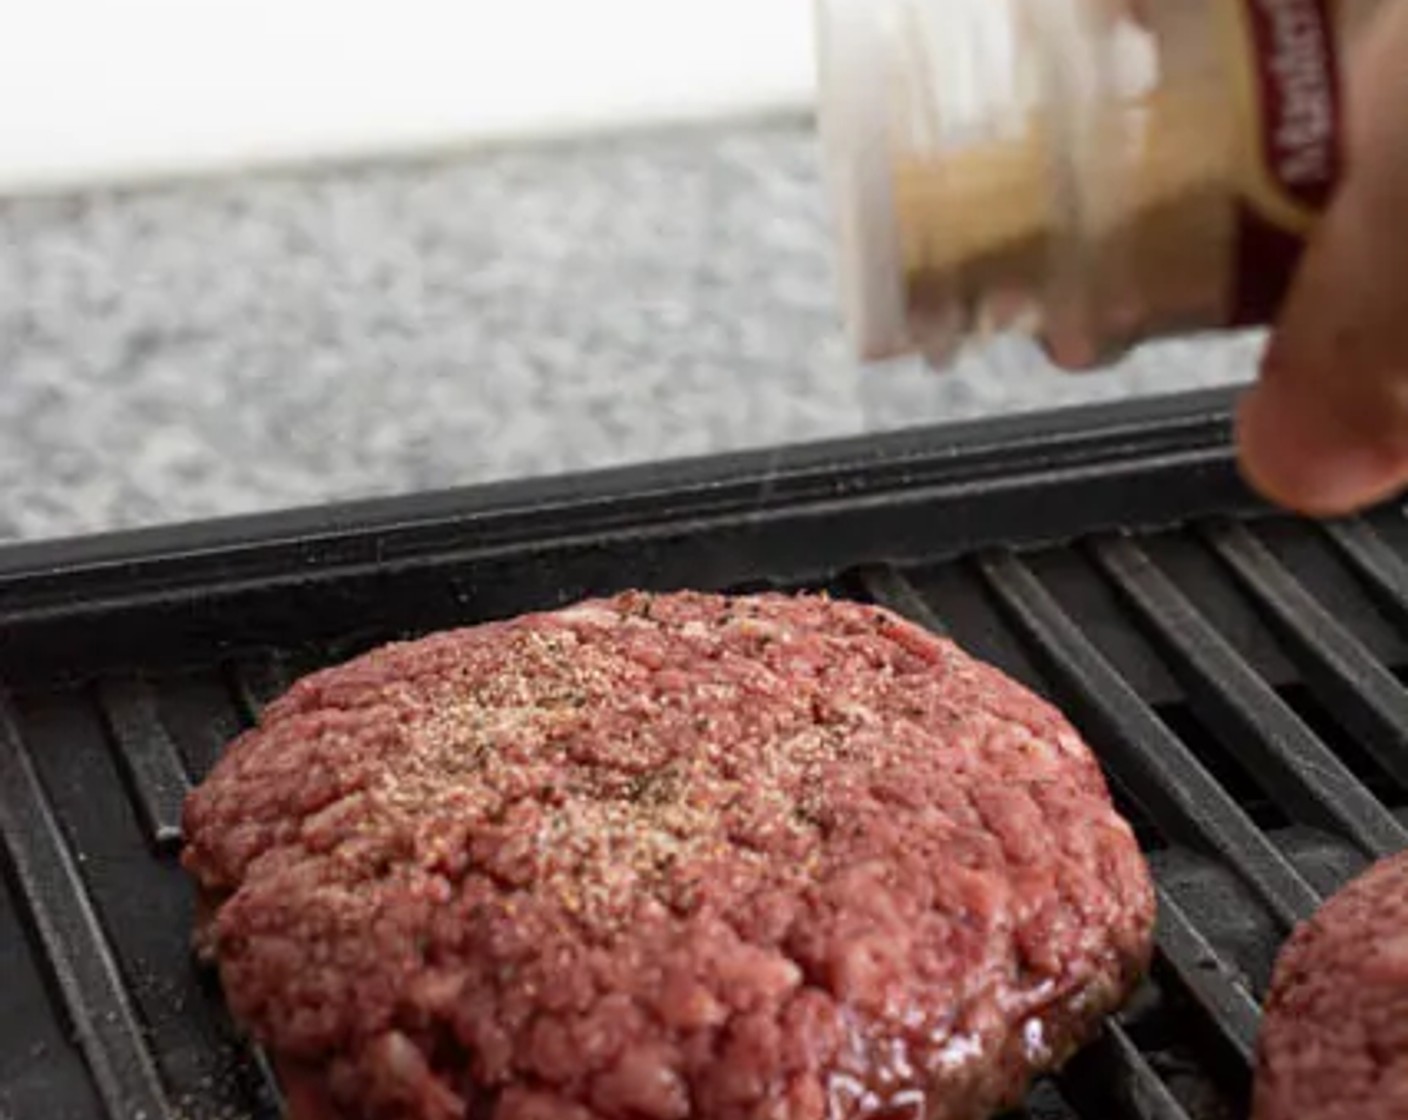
(667, 856)
(1335, 1041)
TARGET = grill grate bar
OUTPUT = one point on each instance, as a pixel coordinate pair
(1115, 1063)
(887, 585)
(1205, 976)
(271, 1096)
(1162, 774)
(1351, 680)
(1299, 770)
(256, 682)
(1376, 562)
(148, 756)
(87, 975)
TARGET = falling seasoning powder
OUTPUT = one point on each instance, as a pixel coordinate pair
(1092, 172)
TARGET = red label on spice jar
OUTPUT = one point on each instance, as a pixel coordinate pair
(1290, 55)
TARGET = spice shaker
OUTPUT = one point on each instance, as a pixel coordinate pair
(1093, 172)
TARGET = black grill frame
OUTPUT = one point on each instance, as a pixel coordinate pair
(126, 660)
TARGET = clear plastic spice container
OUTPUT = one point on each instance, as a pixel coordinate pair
(1094, 172)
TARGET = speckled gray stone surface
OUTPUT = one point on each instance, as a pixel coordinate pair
(210, 348)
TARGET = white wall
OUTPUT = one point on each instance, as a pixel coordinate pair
(99, 90)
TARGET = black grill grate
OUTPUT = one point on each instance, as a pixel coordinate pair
(1238, 674)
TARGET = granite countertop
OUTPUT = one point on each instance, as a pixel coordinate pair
(208, 348)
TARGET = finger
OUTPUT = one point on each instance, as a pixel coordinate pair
(1139, 10)
(1326, 429)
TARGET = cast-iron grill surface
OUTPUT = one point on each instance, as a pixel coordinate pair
(1238, 673)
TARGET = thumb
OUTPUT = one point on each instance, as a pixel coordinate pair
(1326, 429)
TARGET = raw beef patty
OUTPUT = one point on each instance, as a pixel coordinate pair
(1334, 1045)
(667, 856)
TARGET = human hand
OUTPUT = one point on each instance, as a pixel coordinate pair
(1325, 431)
